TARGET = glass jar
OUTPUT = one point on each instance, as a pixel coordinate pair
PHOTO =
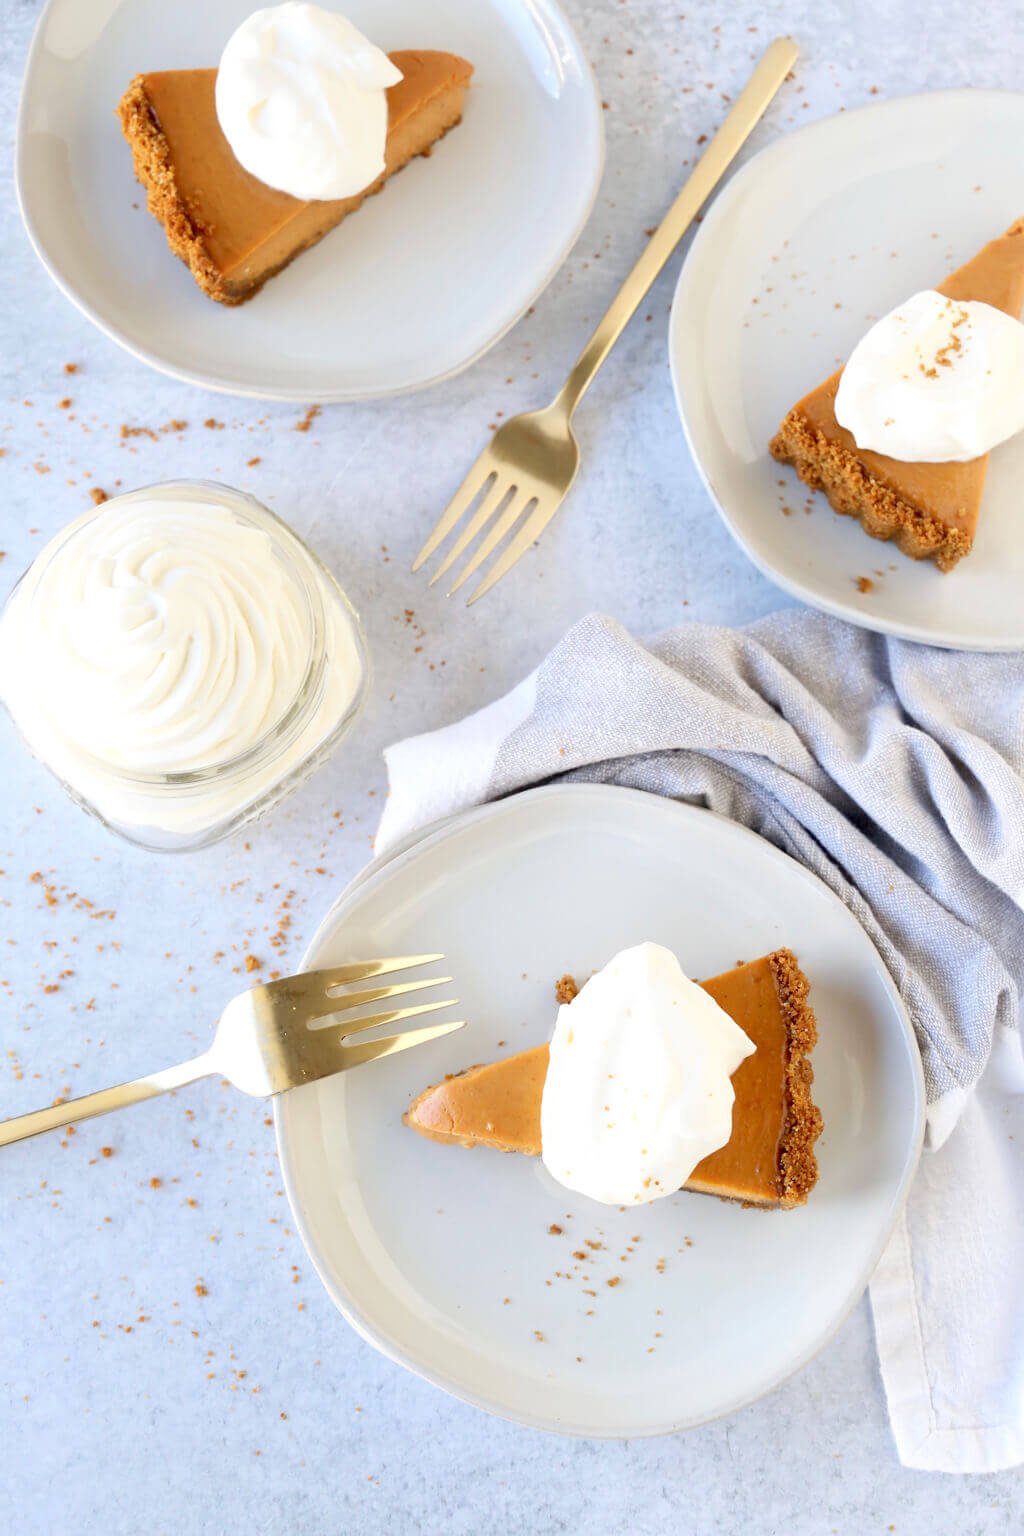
(78, 660)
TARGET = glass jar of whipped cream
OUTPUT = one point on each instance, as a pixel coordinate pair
(180, 660)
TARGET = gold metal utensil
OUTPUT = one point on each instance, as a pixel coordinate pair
(526, 470)
(264, 1043)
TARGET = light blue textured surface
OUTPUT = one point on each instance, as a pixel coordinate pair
(132, 1400)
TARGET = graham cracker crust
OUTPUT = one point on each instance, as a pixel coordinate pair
(154, 168)
(829, 467)
(565, 989)
(798, 1166)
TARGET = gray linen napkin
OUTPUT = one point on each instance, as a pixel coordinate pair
(895, 772)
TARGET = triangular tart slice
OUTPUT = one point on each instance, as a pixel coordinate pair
(769, 1159)
(231, 230)
(929, 510)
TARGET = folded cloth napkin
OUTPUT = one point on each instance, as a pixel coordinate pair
(896, 773)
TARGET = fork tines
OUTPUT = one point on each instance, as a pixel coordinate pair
(363, 970)
(336, 1004)
(508, 497)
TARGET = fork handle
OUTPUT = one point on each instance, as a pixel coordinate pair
(747, 112)
(74, 1110)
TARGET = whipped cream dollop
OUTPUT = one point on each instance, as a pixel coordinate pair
(166, 634)
(934, 381)
(637, 1089)
(300, 99)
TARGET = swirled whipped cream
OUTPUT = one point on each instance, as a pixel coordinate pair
(638, 1084)
(936, 380)
(167, 633)
(301, 99)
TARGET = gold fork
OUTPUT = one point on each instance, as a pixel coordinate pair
(532, 460)
(264, 1043)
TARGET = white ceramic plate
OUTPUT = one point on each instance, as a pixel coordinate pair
(419, 1244)
(819, 235)
(412, 289)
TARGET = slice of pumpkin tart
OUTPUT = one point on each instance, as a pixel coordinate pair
(231, 230)
(769, 1159)
(930, 511)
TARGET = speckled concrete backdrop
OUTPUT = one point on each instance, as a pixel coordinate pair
(168, 1359)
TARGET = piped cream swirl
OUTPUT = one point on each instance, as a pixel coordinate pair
(165, 638)
(165, 635)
